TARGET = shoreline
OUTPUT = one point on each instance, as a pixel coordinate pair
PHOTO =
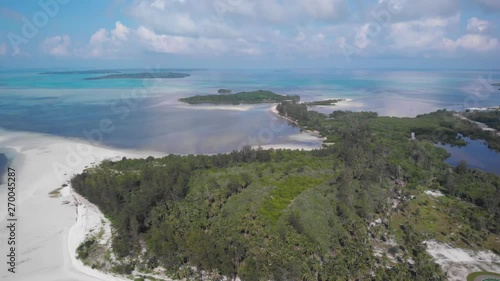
(276, 112)
(50, 229)
(315, 134)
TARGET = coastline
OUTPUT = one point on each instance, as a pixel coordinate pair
(276, 112)
(309, 133)
(50, 229)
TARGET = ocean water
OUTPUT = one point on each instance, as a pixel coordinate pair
(145, 113)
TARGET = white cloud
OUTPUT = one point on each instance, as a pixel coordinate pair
(431, 36)
(299, 29)
(111, 43)
(251, 51)
(232, 19)
(116, 35)
(3, 49)
(473, 42)
(100, 36)
(326, 9)
(419, 35)
(159, 4)
(107, 43)
(57, 46)
(120, 32)
(163, 43)
(407, 10)
(477, 25)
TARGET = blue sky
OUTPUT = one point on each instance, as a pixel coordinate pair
(250, 33)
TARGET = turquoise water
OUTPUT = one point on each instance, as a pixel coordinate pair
(145, 114)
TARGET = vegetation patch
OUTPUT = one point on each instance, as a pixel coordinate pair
(487, 276)
(324, 102)
(284, 193)
(298, 215)
(56, 193)
(240, 98)
(490, 117)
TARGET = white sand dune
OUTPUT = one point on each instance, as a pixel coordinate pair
(217, 107)
(459, 263)
(47, 231)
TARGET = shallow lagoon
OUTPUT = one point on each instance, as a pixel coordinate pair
(68, 105)
(477, 155)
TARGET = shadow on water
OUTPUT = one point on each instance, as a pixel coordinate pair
(477, 155)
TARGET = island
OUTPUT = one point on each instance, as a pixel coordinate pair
(254, 97)
(375, 205)
(496, 85)
(142, 75)
(324, 102)
(99, 71)
(224, 91)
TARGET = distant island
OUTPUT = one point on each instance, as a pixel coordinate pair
(224, 91)
(241, 98)
(100, 71)
(143, 75)
(324, 102)
(496, 85)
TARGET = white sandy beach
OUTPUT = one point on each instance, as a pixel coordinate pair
(217, 107)
(47, 230)
(304, 136)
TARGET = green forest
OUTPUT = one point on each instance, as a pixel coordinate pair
(323, 102)
(491, 118)
(355, 210)
(241, 98)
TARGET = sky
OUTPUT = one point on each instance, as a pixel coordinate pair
(450, 34)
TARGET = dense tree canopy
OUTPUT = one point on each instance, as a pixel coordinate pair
(296, 215)
(240, 98)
